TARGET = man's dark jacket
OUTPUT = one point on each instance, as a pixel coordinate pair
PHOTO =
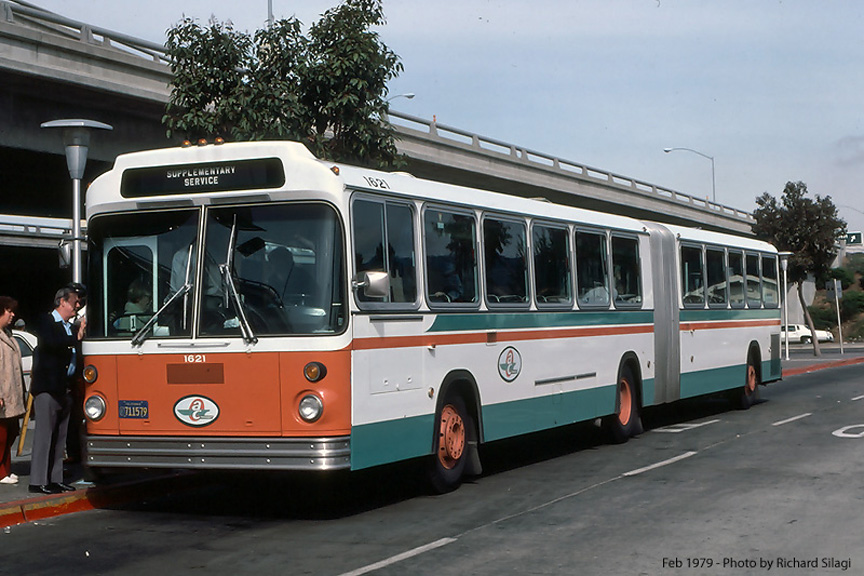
(52, 357)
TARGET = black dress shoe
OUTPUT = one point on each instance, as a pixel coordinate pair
(61, 487)
(43, 489)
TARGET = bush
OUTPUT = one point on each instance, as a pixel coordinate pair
(845, 275)
(851, 305)
(823, 318)
(855, 263)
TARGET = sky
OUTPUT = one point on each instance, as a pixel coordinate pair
(773, 90)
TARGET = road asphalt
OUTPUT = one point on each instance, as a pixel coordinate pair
(18, 505)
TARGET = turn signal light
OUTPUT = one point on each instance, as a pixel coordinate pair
(314, 371)
(90, 374)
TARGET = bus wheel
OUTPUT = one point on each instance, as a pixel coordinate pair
(749, 394)
(453, 430)
(626, 422)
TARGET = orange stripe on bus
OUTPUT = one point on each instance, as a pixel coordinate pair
(687, 326)
(500, 336)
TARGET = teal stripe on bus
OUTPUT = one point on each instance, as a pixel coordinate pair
(688, 315)
(510, 419)
(391, 441)
(714, 380)
(543, 319)
(394, 440)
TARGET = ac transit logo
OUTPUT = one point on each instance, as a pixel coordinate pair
(196, 411)
(509, 364)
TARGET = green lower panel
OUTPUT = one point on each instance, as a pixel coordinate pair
(526, 416)
(394, 440)
(715, 380)
(648, 392)
(391, 441)
(771, 370)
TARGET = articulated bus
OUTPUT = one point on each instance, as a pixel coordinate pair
(253, 307)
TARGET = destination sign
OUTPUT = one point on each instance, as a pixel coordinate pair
(229, 176)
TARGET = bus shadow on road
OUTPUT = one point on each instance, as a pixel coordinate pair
(271, 495)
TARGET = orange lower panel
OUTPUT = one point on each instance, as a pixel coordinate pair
(222, 394)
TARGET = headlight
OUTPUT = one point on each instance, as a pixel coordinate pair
(90, 374)
(311, 408)
(94, 408)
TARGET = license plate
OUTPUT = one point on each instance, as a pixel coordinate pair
(134, 409)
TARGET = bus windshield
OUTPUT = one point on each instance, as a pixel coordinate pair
(267, 270)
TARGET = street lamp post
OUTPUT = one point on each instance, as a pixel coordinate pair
(408, 95)
(76, 139)
(711, 158)
(784, 264)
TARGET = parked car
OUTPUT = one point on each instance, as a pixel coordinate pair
(801, 333)
(27, 343)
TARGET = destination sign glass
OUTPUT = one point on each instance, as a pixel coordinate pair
(200, 178)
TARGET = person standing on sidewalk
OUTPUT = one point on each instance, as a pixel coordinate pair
(11, 389)
(74, 437)
(57, 364)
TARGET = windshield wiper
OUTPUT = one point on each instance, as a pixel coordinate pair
(228, 279)
(142, 333)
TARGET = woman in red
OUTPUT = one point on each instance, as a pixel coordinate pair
(11, 389)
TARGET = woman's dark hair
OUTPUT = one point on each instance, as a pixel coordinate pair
(7, 303)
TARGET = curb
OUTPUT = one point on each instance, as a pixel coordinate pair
(815, 367)
(42, 507)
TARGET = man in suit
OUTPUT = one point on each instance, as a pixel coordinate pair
(74, 437)
(57, 363)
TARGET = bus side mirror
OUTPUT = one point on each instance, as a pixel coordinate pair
(64, 253)
(375, 284)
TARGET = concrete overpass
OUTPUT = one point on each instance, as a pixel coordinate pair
(54, 67)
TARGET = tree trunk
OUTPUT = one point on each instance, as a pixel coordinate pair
(809, 320)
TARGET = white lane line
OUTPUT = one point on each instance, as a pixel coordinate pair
(858, 398)
(678, 428)
(399, 557)
(660, 464)
(793, 419)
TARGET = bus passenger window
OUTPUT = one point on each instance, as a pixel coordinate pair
(770, 292)
(592, 277)
(377, 224)
(505, 259)
(754, 288)
(716, 269)
(627, 289)
(692, 283)
(451, 265)
(736, 279)
(551, 266)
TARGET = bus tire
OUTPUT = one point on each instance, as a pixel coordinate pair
(625, 422)
(454, 430)
(748, 395)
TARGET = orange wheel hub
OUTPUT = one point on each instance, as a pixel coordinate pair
(625, 401)
(451, 437)
(751, 380)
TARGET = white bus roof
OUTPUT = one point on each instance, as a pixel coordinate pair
(304, 172)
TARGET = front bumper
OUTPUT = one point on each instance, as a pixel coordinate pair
(219, 453)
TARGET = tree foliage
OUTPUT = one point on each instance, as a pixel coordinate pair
(808, 228)
(327, 90)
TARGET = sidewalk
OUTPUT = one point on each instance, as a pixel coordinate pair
(17, 505)
(802, 361)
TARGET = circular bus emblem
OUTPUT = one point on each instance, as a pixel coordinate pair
(509, 364)
(196, 411)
